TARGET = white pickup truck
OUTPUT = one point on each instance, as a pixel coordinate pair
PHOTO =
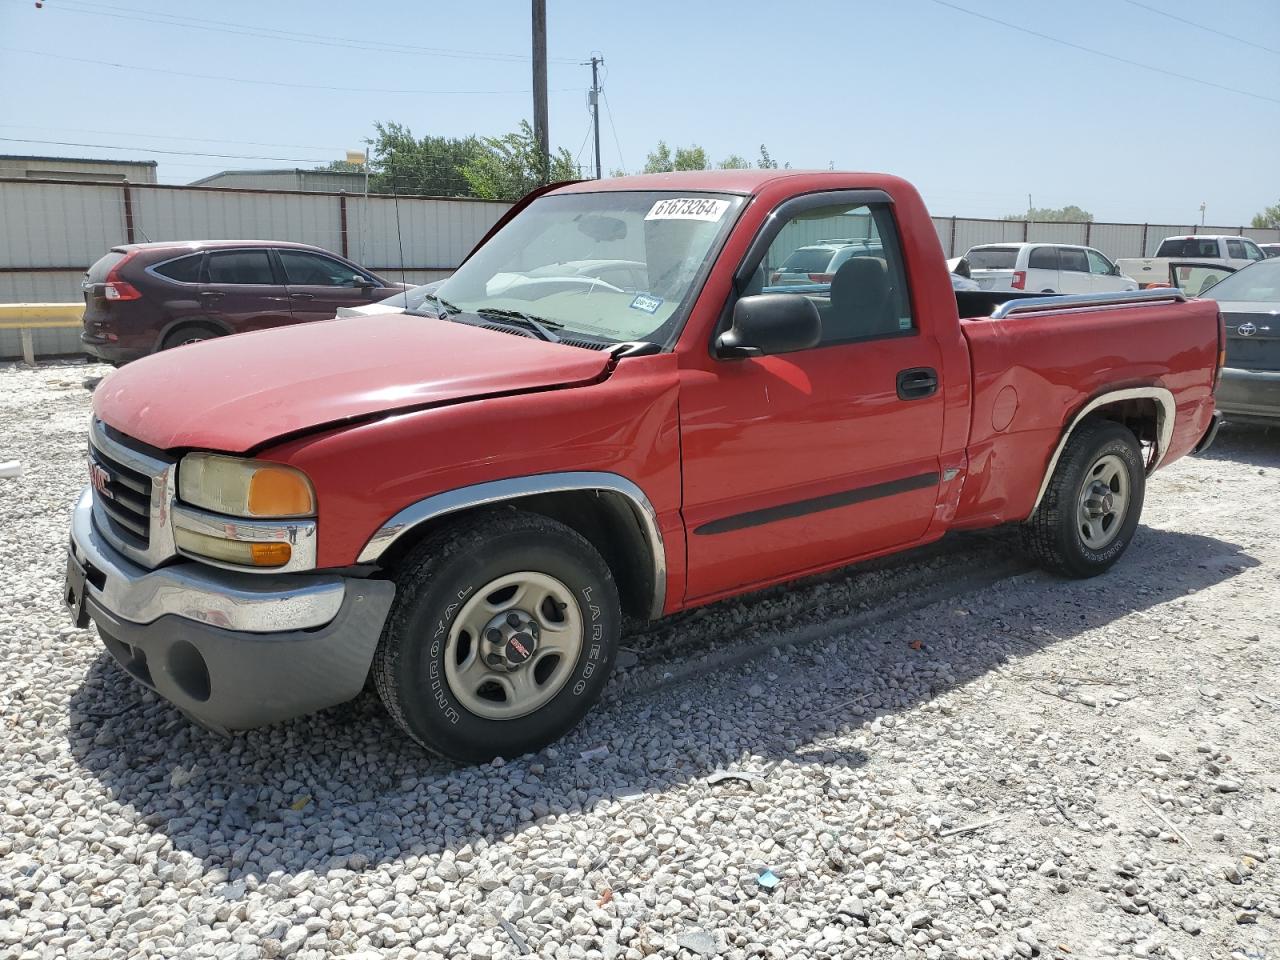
(1204, 250)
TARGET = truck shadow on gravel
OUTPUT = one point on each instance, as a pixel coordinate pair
(345, 790)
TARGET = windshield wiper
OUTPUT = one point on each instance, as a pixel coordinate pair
(446, 308)
(540, 326)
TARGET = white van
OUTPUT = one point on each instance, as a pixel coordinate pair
(1045, 268)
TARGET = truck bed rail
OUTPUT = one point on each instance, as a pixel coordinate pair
(1127, 298)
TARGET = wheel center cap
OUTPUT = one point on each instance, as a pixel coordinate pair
(520, 648)
(510, 639)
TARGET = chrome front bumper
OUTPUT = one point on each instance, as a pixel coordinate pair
(251, 602)
(233, 650)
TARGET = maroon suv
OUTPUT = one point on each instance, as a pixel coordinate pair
(144, 297)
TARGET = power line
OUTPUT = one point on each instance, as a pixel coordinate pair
(267, 83)
(1201, 26)
(271, 33)
(176, 153)
(1100, 53)
(609, 112)
(165, 136)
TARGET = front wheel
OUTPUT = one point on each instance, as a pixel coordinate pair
(502, 635)
(1091, 507)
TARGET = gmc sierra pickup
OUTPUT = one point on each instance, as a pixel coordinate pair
(462, 502)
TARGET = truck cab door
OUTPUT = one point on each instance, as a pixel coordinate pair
(805, 460)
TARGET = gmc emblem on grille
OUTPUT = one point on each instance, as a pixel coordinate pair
(99, 477)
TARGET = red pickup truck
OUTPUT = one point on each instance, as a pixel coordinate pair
(605, 411)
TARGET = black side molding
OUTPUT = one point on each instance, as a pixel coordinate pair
(832, 501)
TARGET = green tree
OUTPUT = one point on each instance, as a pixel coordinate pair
(340, 166)
(766, 162)
(506, 168)
(432, 166)
(661, 160)
(1268, 218)
(1067, 214)
(734, 162)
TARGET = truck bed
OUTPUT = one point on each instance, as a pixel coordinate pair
(1035, 363)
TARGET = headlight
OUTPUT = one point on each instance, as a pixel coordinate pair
(244, 488)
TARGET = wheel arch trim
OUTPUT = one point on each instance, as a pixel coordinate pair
(517, 488)
(1166, 414)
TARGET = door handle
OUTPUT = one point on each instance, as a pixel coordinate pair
(211, 295)
(302, 296)
(916, 383)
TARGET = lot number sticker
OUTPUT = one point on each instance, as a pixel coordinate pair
(688, 208)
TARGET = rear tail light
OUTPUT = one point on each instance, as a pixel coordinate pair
(116, 289)
(120, 290)
(1019, 279)
(821, 277)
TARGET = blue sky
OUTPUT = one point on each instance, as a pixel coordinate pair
(976, 114)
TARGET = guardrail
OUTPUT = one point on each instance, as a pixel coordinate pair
(27, 318)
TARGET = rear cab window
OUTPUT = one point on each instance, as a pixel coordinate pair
(1188, 247)
(992, 258)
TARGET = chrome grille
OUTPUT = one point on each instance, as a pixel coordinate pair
(125, 495)
(132, 496)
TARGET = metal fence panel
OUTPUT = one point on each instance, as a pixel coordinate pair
(58, 225)
(432, 233)
(1116, 240)
(170, 213)
(1048, 232)
(970, 233)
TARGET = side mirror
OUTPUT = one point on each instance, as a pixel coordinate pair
(770, 323)
(362, 282)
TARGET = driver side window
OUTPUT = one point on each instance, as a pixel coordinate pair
(848, 262)
(308, 269)
(1099, 264)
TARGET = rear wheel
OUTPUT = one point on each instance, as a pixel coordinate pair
(189, 333)
(502, 635)
(1093, 502)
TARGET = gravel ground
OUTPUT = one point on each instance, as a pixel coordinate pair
(947, 755)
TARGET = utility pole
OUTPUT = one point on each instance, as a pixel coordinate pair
(595, 106)
(1203, 204)
(540, 87)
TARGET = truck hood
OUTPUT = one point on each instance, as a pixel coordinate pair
(237, 393)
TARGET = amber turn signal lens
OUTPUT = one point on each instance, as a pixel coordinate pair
(279, 492)
(270, 554)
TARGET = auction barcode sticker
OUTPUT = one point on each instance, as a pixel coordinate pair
(688, 208)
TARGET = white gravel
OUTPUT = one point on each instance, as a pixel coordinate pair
(1030, 767)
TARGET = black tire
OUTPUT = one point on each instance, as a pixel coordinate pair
(189, 333)
(1053, 535)
(409, 667)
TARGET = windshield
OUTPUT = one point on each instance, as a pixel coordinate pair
(612, 266)
(1258, 283)
(992, 258)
